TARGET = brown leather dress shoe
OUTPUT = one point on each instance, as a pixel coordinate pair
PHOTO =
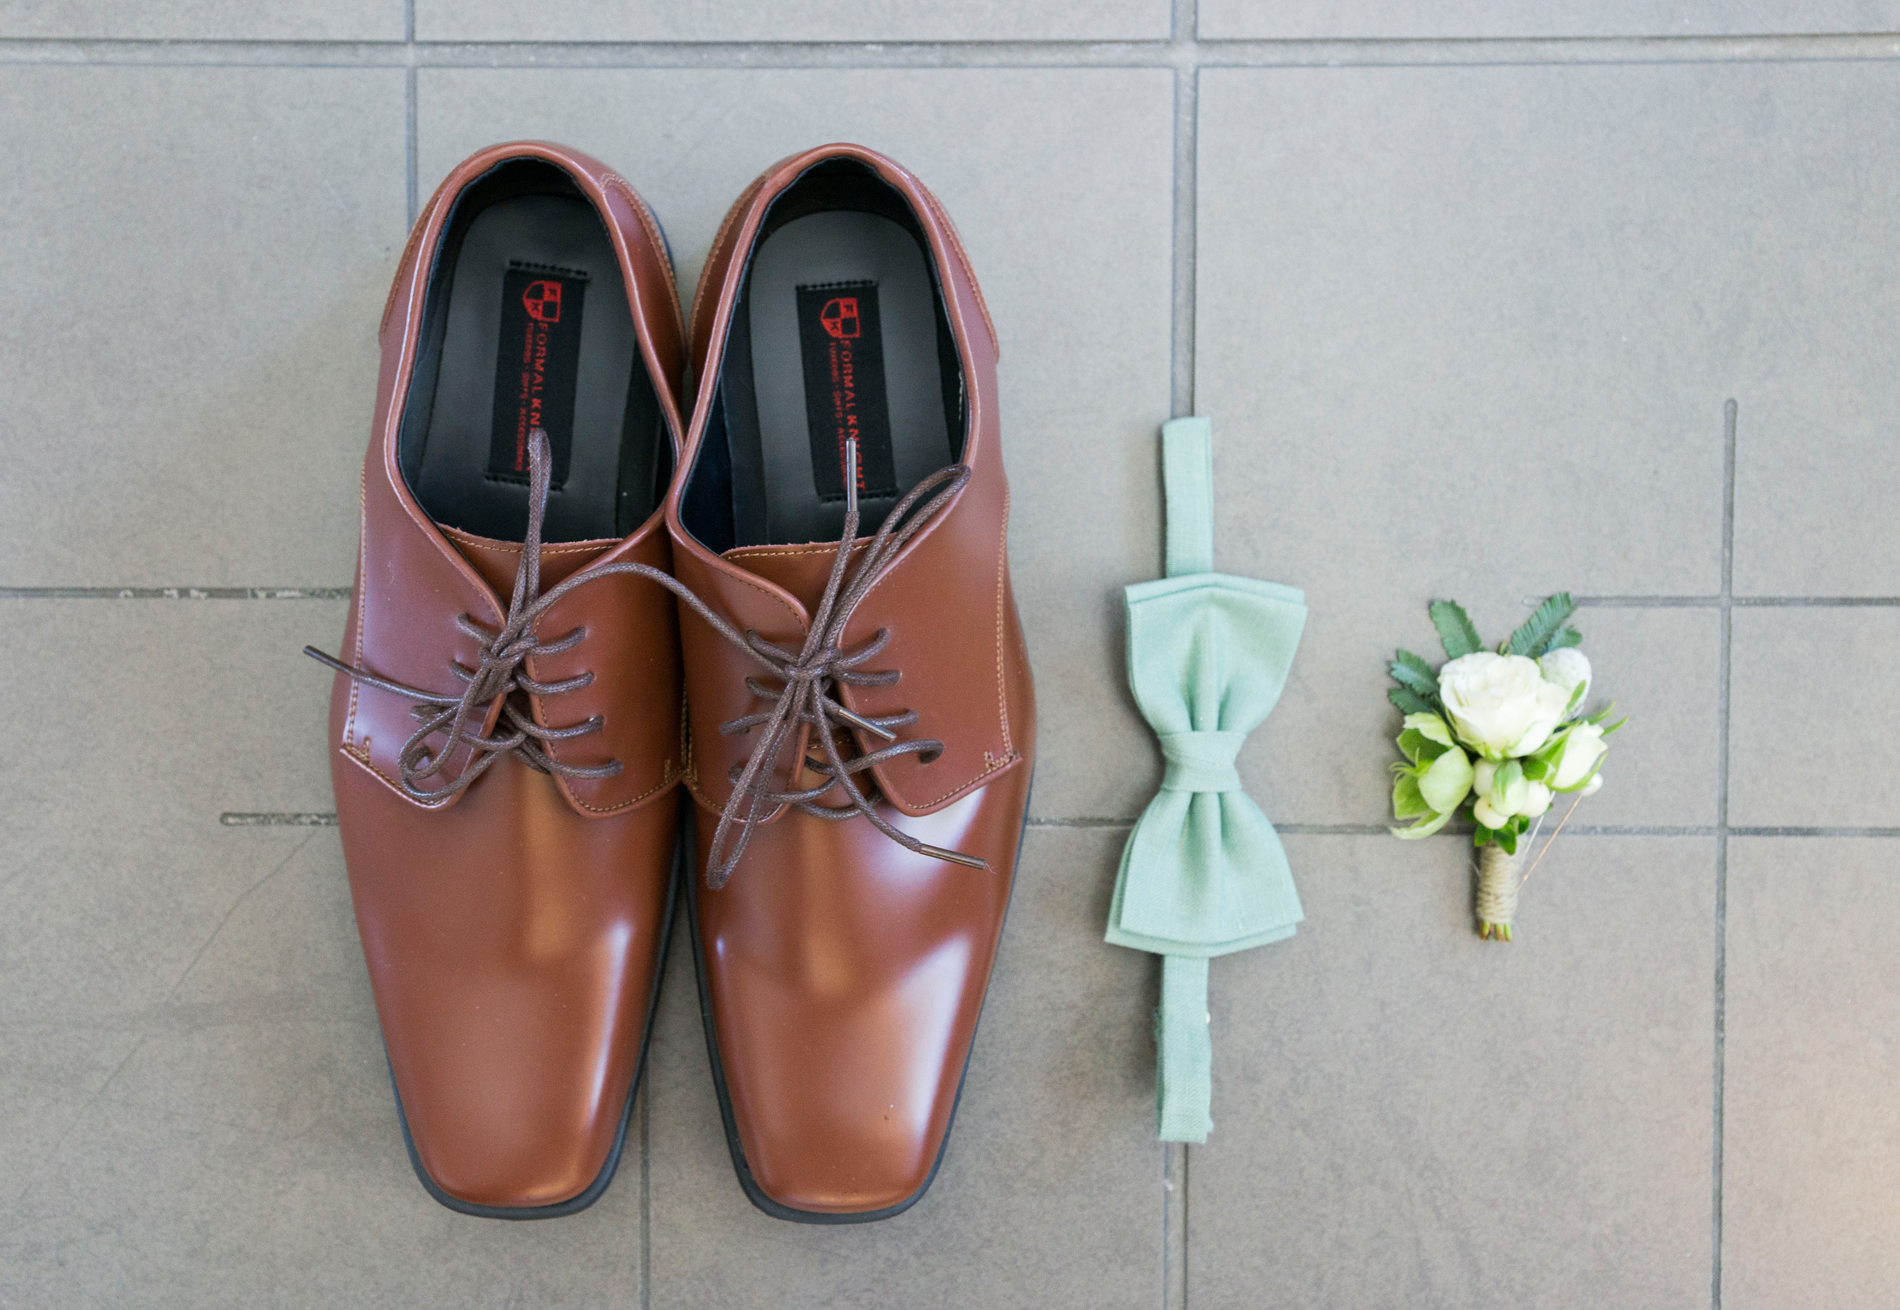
(862, 720)
(505, 725)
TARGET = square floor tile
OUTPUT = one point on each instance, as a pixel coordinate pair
(203, 20)
(1811, 1123)
(1806, 739)
(1324, 19)
(1405, 1115)
(1470, 332)
(1059, 181)
(796, 20)
(162, 715)
(1050, 1194)
(195, 266)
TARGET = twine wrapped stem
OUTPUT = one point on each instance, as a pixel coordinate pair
(1498, 882)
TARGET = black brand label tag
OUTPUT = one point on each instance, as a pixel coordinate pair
(534, 368)
(844, 387)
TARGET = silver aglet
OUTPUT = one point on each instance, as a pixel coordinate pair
(851, 475)
(882, 734)
(954, 857)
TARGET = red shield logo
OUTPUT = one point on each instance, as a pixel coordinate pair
(542, 300)
(840, 316)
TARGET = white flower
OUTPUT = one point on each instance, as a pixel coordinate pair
(1510, 797)
(1592, 787)
(1582, 749)
(1500, 704)
(1487, 816)
(1522, 796)
(1567, 668)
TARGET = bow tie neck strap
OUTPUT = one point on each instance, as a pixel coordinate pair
(1203, 873)
(1187, 472)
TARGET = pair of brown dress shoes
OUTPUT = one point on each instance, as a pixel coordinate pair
(569, 602)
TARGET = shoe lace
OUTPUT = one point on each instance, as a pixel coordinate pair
(805, 696)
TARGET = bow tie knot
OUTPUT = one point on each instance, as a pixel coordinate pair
(1201, 761)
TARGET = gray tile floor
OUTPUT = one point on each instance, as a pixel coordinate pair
(1635, 257)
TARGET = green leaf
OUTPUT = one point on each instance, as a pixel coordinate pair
(1408, 702)
(1483, 836)
(1455, 632)
(1425, 738)
(1534, 637)
(1447, 782)
(1424, 829)
(1551, 751)
(1418, 748)
(1507, 838)
(1535, 767)
(1602, 714)
(1407, 803)
(1415, 675)
(1568, 637)
(1614, 726)
(1576, 694)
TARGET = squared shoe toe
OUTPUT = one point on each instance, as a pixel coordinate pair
(505, 720)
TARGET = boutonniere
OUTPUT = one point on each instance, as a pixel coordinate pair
(1494, 737)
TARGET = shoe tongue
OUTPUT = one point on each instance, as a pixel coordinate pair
(497, 561)
(801, 570)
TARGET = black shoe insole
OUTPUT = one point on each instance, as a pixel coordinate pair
(538, 333)
(840, 323)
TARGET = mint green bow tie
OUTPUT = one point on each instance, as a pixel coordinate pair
(1203, 873)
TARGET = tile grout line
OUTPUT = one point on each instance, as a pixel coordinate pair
(1052, 52)
(645, 1091)
(1184, 52)
(409, 103)
(58, 592)
(1721, 848)
(327, 819)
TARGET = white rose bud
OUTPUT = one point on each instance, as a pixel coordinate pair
(1514, 796)
(1487, 816)
(1482, 774)
(1582, 749)
(1500, 704)
(1536, 801)
(1567, 668)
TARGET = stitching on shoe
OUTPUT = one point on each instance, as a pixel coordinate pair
(654, 240)
(489, 543)
(717, 253)
(362, 593)
(1002, 574)
(969, 273)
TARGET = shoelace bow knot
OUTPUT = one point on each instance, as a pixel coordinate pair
(804, 698)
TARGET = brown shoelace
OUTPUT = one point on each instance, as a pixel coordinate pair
(804, 697)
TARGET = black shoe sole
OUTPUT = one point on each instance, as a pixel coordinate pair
(753, 1192)
(682, 865)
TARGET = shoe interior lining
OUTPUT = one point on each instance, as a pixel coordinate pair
(525, 315)
(841, 262)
